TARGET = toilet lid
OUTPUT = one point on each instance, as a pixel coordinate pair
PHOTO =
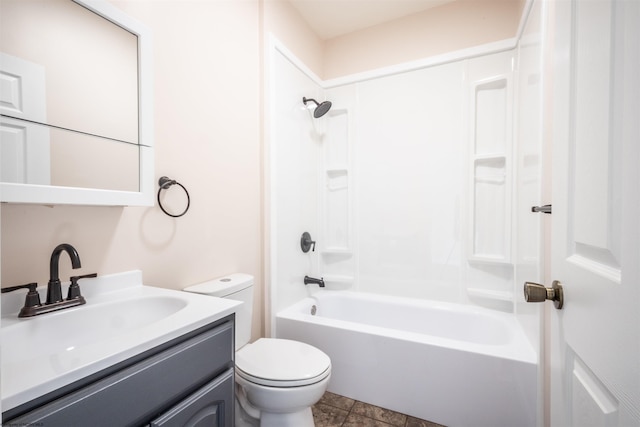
(282, 363)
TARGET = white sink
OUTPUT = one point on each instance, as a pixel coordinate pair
(74, 328)
(121, 318)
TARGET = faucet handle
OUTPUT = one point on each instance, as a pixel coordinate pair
(74, 288)
(30, 286)
(33, 297)
(84, 276)
(306, 243)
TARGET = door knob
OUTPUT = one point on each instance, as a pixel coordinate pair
(535, 292)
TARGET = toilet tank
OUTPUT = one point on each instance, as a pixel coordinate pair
(239, 287)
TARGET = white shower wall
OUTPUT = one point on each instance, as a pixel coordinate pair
(430, 208)
(408, 184)
(409, 170)
(294, 161)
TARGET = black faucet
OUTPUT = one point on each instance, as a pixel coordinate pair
(313, 280)
(54, 290)
(33, 307)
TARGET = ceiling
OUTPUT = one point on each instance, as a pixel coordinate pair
(332, 18)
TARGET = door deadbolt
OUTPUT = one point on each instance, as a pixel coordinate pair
(535, 292)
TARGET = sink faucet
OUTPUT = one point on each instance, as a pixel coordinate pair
(319, 282)
(54, 290)
(33, 307)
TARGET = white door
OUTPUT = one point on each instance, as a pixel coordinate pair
(595, 337)
(25, 147)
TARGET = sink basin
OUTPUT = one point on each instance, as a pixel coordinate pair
(121, 319)
(72, 329)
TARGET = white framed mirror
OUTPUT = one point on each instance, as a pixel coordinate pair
(76, 115)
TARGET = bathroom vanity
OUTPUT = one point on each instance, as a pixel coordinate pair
(141, 356)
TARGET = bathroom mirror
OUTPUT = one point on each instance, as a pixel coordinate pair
(76, 104)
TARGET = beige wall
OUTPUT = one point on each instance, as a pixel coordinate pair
(454, 26)
(207, 136)
(283, 20)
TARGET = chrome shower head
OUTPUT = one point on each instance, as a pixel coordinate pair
(321, 108)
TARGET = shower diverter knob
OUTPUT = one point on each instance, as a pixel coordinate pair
(306, 243)
(535, 292)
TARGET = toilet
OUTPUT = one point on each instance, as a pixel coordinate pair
(277, 380)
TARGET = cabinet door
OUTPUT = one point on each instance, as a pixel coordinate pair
(211, 406)
(132, 396)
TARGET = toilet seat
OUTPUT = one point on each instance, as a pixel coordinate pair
(282, 363)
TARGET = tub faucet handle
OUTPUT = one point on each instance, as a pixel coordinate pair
(306, 243)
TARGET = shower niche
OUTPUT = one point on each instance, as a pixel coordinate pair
(490, 173)
(489, 245)
(337, 257)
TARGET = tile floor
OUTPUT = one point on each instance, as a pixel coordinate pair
(338, 411)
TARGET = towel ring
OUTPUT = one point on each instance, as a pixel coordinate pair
(164, 184)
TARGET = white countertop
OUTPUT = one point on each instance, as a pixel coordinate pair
(32, 368)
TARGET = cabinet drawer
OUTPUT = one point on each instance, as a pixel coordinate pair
(211, 406)
(132, 396)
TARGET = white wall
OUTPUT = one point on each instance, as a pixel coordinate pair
(433, 174)
(529, 148)
(409, 172)
(295, 140)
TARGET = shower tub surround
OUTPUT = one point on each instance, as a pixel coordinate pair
(452, 364)
(418, 184)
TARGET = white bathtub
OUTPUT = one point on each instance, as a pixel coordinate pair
(452, 364)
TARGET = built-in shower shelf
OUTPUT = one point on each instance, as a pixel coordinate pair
(490, 294)
(487, 157)
(337, 179)
(490, 201)
(337, 263)
(337, 170)
(337, 251)
(337, 187)
(334, 278)
(490, 169)
(482, 258)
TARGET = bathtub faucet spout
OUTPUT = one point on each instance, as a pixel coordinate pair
(308, 280)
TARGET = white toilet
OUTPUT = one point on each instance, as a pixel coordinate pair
(277, 380)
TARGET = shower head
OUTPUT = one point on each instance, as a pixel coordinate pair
(321, 108)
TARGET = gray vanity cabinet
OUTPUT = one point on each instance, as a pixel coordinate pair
(205, 408)
(188, 381)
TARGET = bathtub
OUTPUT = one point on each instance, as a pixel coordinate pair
(452, 364)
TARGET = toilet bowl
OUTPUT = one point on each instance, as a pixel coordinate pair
(277, 380)
(281, 379)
